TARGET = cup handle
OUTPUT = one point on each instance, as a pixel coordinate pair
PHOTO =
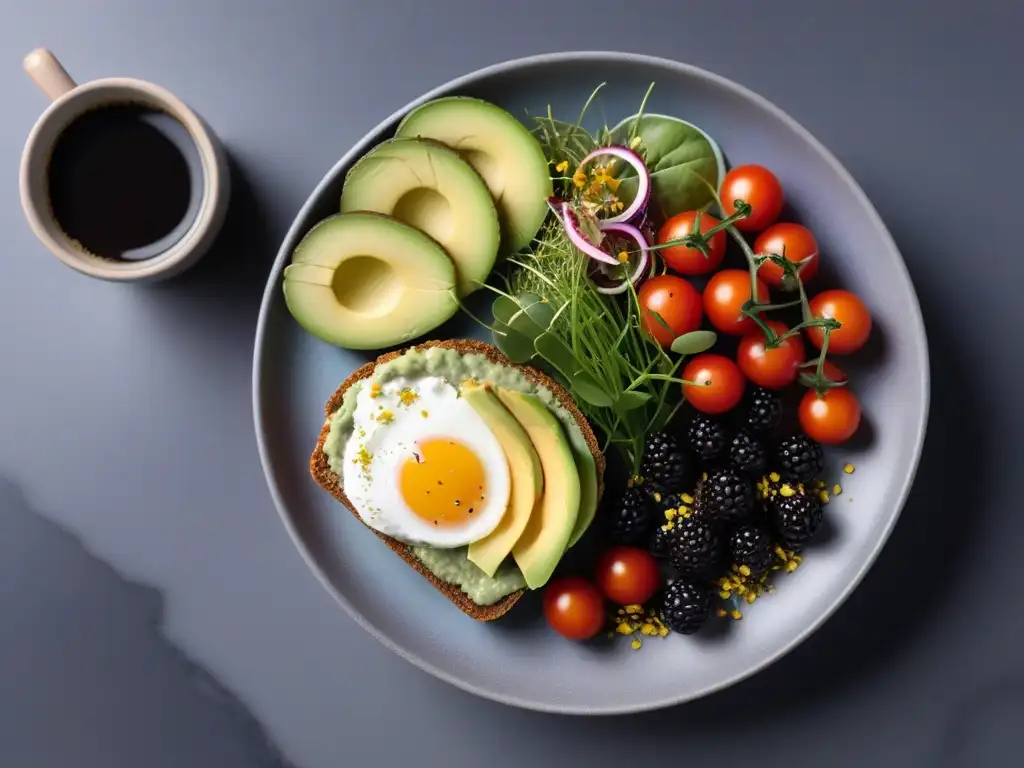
(46, 72)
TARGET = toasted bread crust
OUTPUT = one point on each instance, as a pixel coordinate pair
(325, 477)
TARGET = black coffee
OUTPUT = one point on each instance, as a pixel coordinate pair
(125, 182)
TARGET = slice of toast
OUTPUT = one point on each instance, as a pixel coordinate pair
(329, 481)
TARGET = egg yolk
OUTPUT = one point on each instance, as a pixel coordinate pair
(443, 482)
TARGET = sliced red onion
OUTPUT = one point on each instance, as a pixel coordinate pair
(643, 188)
(572, 228)
(611, 286)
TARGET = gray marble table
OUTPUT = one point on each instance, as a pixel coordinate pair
(153, 611)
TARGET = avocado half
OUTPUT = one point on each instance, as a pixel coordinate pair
(366, 280)
(501, 149)
(430, 187)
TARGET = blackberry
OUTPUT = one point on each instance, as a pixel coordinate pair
(660, 544)
(799, 458)
(667, 507)
(724, 495)
(685, 607)
(664, 460)
(632, 517)
(747, 454)
(693, 545)
(751, 545)
(763, 412)
(795, 518)
(706, 437)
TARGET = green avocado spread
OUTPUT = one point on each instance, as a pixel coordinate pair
(452, 565)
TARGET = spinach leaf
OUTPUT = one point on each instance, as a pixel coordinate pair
(679, 155)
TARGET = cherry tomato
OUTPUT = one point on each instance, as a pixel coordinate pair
(793, 241)
(770, 368)
(574, 607)
(758, 186)
(725, 294)
(848, 310)
(627, 575)
(676, 302)
(717, 383)
(690, 261)
(830, 418)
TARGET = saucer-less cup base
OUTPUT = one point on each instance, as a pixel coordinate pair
(70, 102)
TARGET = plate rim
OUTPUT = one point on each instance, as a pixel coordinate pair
(556, 58)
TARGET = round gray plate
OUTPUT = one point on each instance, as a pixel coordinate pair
(518, 660)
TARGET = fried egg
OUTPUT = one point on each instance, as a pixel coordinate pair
(422, 466)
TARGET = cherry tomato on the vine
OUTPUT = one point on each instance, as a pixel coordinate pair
(725, 294)
(716, 383)
(850, 312)
(793, 241)
(831, 417)
(574, 607)
(627, 575)
(775, 367)
(691, 261)
(756, 185)
(675, 301)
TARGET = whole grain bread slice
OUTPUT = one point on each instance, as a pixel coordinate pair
(330, 482)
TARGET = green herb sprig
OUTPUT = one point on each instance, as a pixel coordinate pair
(620, 377)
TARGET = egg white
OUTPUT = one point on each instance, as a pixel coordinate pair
(437, 412)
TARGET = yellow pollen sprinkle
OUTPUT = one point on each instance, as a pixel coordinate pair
(562, 166)
(623, 257)
(424, 413)
(385, 417)
(634, 609)
(837, 489)
(849, 468)
(374, 389)
(636, 645)
(670, 514)
(792, 565)
(774, 477)
(745, 570)
(787, 490)
(721, 613)
(751, 597)
(647, 629)
(781, 553)
(724, 594)
(656, 496)
(823, 495)
(624, 629)
(736, 614)
(363, 457)
(687, 498)
(408, 397)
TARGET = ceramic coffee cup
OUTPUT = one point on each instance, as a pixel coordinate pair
(69, 102)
